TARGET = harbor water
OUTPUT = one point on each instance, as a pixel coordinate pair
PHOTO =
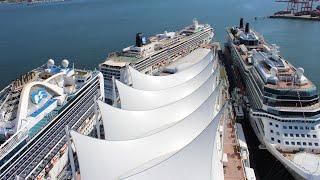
(85, 31)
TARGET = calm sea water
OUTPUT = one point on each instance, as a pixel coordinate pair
(85, 31)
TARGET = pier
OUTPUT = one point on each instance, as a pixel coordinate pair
(292, 16)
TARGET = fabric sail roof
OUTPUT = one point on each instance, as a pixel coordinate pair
(135, 99)
(101, 159)
(120, 124)
(148, 82)
(194, 161)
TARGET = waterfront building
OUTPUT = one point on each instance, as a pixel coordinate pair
(160, 143)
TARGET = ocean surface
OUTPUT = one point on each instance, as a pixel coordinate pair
(85, 31)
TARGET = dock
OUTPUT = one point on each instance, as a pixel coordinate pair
(292, 16)
(233, 167)
(234, 164)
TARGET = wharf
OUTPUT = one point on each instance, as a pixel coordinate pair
(233, 168)
(291, 16)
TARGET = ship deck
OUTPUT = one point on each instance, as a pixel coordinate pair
(306, 160)
(290, 70)
(233, 169)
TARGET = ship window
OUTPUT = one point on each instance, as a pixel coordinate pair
(272, 139)
(302, 135)
(271, 131)
(312, 128)
(279, 141)
(287, 143)
(270, 123)
(310, 144)
(293, 143)
(296, 127)
(301, 127)
(308, 135)
(314, 136)
(316, 144)
(285, 134)
(291, 135)
(304, 143)
(290, 127)
(285, 127)
(298, 143)
(297, 135)
(307, 128)
(277, 125)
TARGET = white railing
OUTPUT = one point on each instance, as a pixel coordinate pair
(13, 141)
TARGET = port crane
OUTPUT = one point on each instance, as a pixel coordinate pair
(299, 6)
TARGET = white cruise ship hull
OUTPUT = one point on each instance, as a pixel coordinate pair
(297, 172)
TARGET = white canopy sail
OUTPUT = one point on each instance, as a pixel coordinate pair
(122, 124)
(135, 99)
(101, 159)
(194, 161)
(151, 83)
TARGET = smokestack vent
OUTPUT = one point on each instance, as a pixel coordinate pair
(241, 23)
(139, 40)
(247, 28)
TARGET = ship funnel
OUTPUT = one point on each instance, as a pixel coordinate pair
(241, 23)
(247, 28)
(139, 40)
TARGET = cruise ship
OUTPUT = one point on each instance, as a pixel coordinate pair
(284, 103)
(150, 55)
(34, 111)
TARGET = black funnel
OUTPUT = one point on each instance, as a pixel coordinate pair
(139, 40)
(241, 23)
(247, 28)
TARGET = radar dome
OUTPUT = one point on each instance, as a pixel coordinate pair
(274, 71)
(50, 63)
(65, 63)
(300, 71)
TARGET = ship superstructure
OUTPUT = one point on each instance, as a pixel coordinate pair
(34, 112)
(150, 55)
(285, 108)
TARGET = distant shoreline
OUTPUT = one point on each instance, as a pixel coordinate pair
(31, 2)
